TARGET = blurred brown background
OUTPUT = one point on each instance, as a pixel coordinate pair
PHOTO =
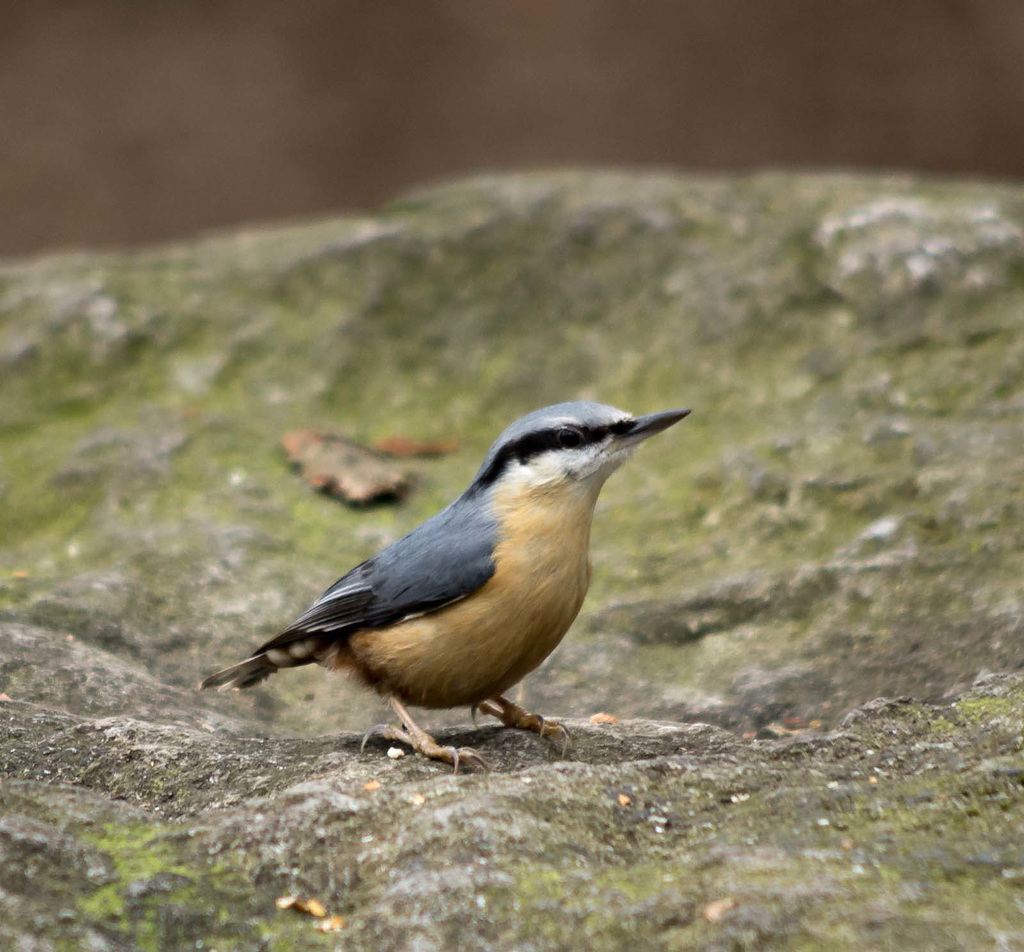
(126, 121)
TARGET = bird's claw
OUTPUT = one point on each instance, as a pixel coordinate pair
(376, 729)
(555, 729)
(424, 744)
(546, 728)
(512, 715)
(467, 755)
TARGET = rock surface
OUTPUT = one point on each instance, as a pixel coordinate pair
(840, 519)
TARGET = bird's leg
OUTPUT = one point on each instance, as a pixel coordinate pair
(512, 715)
(419, 740)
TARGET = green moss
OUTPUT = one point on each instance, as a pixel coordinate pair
(138, 853)
(978, 709)
(190, 897)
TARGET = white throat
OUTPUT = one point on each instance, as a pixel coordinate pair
(576, 470)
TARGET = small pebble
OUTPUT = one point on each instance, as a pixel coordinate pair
(880, 530)
(395, 752)
(714, 911)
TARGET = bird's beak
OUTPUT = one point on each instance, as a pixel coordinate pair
(646, 426)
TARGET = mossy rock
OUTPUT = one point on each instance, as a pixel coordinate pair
(840, 519)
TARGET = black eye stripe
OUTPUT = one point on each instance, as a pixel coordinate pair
(530, 445)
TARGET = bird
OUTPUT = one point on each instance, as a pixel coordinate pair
(463, 607)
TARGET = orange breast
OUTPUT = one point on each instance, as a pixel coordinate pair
(479, 647)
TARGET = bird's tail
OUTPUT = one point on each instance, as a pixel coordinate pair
(277, 653)
(242, 675)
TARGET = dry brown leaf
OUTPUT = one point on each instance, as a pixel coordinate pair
(404, 447)
(714, 911)
(330, 924)
(847, 844)
(371, 785)
(624, 800)
(19, 573)
(601, 717)
(309, 907)
(6, 697)
(334, 464)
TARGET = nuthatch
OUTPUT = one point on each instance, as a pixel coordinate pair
(470, 602)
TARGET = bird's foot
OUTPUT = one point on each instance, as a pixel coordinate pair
(421, 742)
(512, 715)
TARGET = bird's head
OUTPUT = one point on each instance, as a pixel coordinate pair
(568, 444)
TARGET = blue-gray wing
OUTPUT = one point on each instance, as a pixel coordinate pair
(447, 558)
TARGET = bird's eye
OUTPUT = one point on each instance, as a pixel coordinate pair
(569, 437)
